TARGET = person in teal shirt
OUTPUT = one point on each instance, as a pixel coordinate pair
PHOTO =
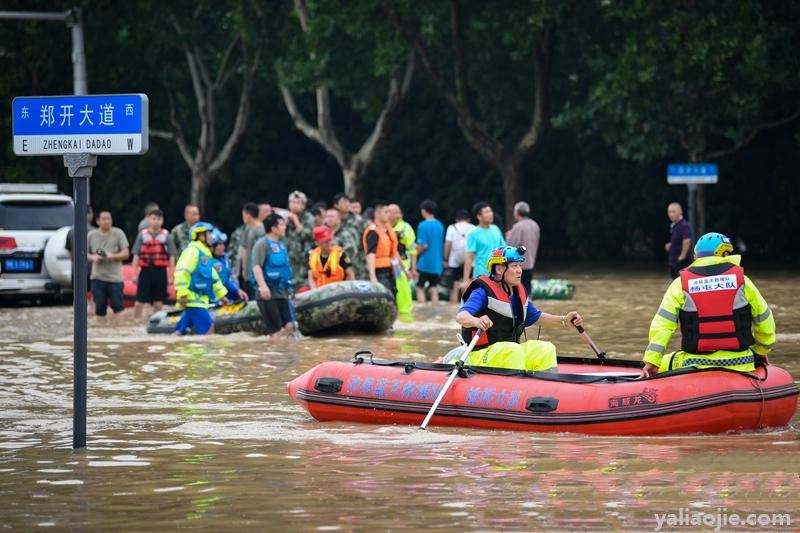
(480, 242)
(430, 252)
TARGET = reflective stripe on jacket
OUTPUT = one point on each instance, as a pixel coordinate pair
(331, 271)
(505, 327)
(667, 318)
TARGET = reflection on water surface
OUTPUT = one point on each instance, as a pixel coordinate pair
(199, 432)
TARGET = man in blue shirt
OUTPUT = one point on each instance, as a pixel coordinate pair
(430, 252)
(498, 305)
(480, 242)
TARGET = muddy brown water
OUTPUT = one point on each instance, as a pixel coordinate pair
(199, 433)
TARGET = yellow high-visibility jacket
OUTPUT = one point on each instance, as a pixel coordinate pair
(665, 322)
(191, 258)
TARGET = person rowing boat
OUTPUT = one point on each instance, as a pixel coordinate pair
(498, 305)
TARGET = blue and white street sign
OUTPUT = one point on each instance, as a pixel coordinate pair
(112, 124)
(692, 173)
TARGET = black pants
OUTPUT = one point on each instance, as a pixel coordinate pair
(386, 278)
(675, 270)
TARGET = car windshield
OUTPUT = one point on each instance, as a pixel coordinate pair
(34, 215)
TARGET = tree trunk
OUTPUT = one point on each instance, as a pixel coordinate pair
(513, 189)
(353, 175)
(200, 180)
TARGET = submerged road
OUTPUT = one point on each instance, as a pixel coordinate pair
(200, 433)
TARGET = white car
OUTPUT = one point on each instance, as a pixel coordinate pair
(34, 222)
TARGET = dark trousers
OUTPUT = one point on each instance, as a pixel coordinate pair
(386, 278)
(675, 270)
(102, 292)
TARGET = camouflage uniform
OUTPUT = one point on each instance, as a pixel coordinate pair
(233, 250)
(181, 236)
(298, 243)
(351, 244)
(355, 223)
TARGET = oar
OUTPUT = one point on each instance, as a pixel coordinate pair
(597, 352)
(296, 331)
(452, 377)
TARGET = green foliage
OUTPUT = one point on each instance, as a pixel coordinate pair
(685, 76)
(630, 81)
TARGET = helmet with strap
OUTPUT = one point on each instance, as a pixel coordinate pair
(713, 244)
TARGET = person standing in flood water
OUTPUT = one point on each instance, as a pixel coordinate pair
(197, 283)
(680, 240)
(724, 320)
(108, 248)
(272, 278)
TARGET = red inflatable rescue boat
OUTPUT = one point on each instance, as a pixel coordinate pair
(591, 396)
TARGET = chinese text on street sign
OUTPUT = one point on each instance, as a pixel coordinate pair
(115, 124)
(699, 173)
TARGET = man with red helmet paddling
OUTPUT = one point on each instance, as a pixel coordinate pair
(498, 305)
(724, 320)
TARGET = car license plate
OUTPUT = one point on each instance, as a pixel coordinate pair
(18, 265)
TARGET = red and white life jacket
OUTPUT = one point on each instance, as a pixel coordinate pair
(153, 253)
(715, 313)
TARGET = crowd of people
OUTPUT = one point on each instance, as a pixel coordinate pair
(275, 252)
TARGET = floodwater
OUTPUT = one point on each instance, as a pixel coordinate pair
(199, 433)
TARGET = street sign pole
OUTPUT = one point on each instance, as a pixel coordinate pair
(79, 128)
(79, 167)
(692, 196)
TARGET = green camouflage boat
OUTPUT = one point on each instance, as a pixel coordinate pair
(357, 305)
(552, 289)
(237, 316)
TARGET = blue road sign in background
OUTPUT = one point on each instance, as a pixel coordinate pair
(700, 173)
(113, 124)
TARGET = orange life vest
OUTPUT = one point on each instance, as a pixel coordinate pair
(331, 271)
(387, 245)
(153, 253)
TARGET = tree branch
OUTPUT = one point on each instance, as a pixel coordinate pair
(752, 135)
(302, 14)
(460, 69)
(397, 92)
(242, 114)
(476, 135)
(542, 60)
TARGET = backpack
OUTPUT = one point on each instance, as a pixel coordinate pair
(458, 250)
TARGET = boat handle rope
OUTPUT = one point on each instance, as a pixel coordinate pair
(358, 357)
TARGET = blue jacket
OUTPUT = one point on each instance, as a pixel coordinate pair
(223, 267)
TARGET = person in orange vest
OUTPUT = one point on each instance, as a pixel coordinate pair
(380, 245)
(327, 263)
(155, 253)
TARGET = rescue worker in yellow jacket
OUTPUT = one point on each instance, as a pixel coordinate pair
(197, 282)
(724, 320)
(327, 263)
(498, 304)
